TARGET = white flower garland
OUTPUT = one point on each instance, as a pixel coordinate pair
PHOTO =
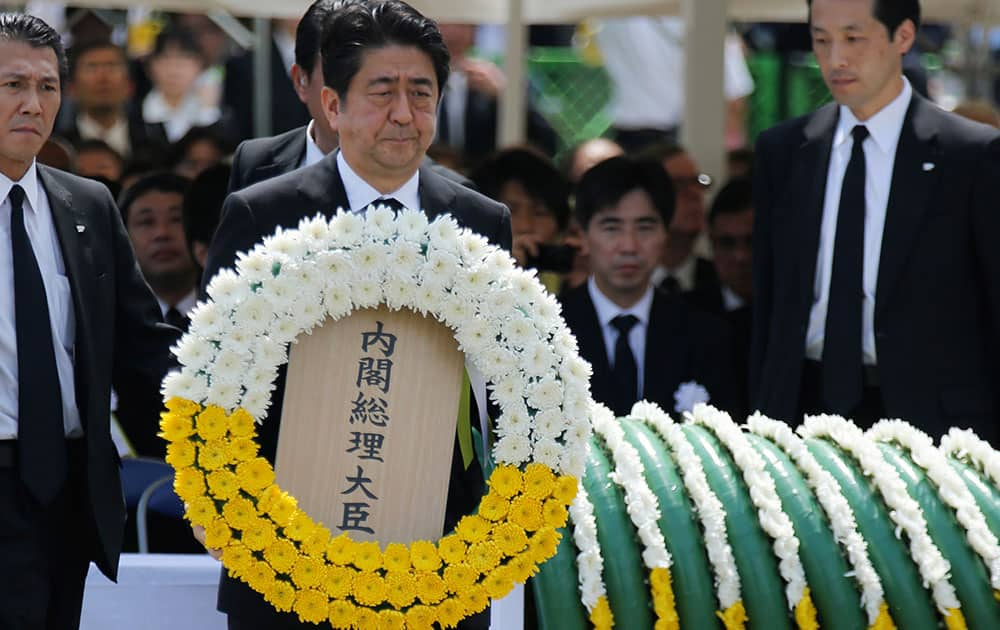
(951, 488)
(903, 510)
(589, 562)
(764, 495)
(964, 445)
(836, 507)
(711, 512)
(506, 323)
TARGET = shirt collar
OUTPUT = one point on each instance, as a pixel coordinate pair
(29, 182)
(313, 152)
(361, 194)
(884, 127)
(608, 310)
(183, 307)
(731, 301)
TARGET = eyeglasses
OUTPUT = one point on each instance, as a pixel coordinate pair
(702, 181)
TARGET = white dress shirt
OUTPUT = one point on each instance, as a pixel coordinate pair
(116, 136)
(608, 310)
(684, 273)
(183, 307)
(41, 230)
(313, 152)
(884, 129)
(361, 194)
(730, 301)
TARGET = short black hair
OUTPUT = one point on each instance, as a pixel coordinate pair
(891, 13)
(203, 203)
(604, 185)
(30, 30)
(80, 49)
(309, 32)
(96, 144)
(158, 181)
(534, 171)
(361, 27)
(208, 133)
(735, 197)
(177, 38)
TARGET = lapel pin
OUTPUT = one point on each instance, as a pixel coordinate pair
(81, 228)
(928, 166)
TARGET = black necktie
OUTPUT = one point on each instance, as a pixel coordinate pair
(625, 370)
(175, 319)
(843, 379)
(390, 202)
(40, 433)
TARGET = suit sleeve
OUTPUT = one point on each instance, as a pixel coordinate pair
(986, 221)
(237, 232)
(236, 179)
(763, 294)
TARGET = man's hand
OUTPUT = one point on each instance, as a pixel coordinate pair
(199, 535)
(484, 76)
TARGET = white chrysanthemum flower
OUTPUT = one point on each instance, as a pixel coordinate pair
(548, 452)
(260, 379)
(412, 225)
(545, 393)
(224, 393)
(206, 318)
(549, 424)
(256, 403)
(255, 313)
(334, 266)
(512, 449)
(185, 384)
(282, 291)
(240, 341)
(370, 259)
(444, 234)
(284, 330)
(337, 301)
(315, 231)
(472, 247)
(269, 352)
(456, 312)
(228, 289)
(366, 292)
(255, 266)
(519, 332)
(499, 263)
(508, 391)
(440, 269)
(308, 314)
(404, 257)
(193, 351)
(498, 362)
(574, 460)
(498, 302)
(547, 312)
(515, 419)
(286, 243)
(427, 298)
(399, 293)
(538, 359)
(574, 368)
(579, 430)
(565, 342)
(346, 229)
(526, 288)
(228, 365)
(474, 283)
(476, 337)
(380, 223)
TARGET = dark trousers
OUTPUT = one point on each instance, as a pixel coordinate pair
(44, 551)
(869, 411)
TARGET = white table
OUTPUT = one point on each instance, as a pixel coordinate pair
(155, 592)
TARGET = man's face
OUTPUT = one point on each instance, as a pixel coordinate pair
(624, 243)
(529, 216)
(689, 187)
(732, 245)
(29, 101)
(98, 163)
(156, 229)
(100, 80)
(387, 118)
(309, 87)
(860, 62)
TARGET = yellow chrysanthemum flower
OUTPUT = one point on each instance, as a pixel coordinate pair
(396, 557)
(341, 613)
(459, 576)
(282, 596)
(339, 581)
(484, 556)
(341, 550)
(189, 484)
(267, 497)
(255, 474)
(182, 406)
(238, 512)
(315, 544)
(522, 567)
(175, 427)
(211, 423)
(300, 526)
(554, 513)
(367, 556)
(430, 588)
(218, 534)
(223, 484)
(527, 513)
(543, 544)
(401, 588)
(424, 556)
(213, 455)
(236, 557)
(391, 620)
(601, 615)
(201, 511)
(450, 612)
(365, 618)
(281, 555)
(243, 449)
(420, 617)
(510, 538)
(181, 454)
(506, 481)
(308, 572)
(498, 583)
(452, 549)
(473, 599)
(241, 424)
(258, 534)
(369, 589)
(663, 600)
(566, 488)
(473, 528)
(312, 606)
(283, 510)
(493, 507)
(260, 576)
(539, 481)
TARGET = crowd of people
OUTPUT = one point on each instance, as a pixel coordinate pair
(846, 266)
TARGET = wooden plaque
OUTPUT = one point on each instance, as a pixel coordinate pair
(368, 424)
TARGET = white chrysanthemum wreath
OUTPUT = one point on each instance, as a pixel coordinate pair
(504, 321)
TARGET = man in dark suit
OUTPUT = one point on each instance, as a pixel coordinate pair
(76, 316)
(641, 343)
(383, 64)
(876, 271)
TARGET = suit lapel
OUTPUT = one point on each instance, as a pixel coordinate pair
(809, 176)
(666, 350)
(286, 156)
(321, 188)
(73, 229)
(911, 186)
(436, 197)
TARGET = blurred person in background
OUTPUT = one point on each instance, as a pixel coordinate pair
(979, 111)
(202, 207)
(583, 156)
(95, 158)
(200, 148)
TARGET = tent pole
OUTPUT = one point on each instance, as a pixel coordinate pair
(703, 126)
(513, 100)
(262, 78)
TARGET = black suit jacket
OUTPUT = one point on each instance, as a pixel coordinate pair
(287, 111)
(937, 306)
(147, 141)
(119, 337)
(682, 344)
(263, 158)
(708, 298)
(255, 212)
